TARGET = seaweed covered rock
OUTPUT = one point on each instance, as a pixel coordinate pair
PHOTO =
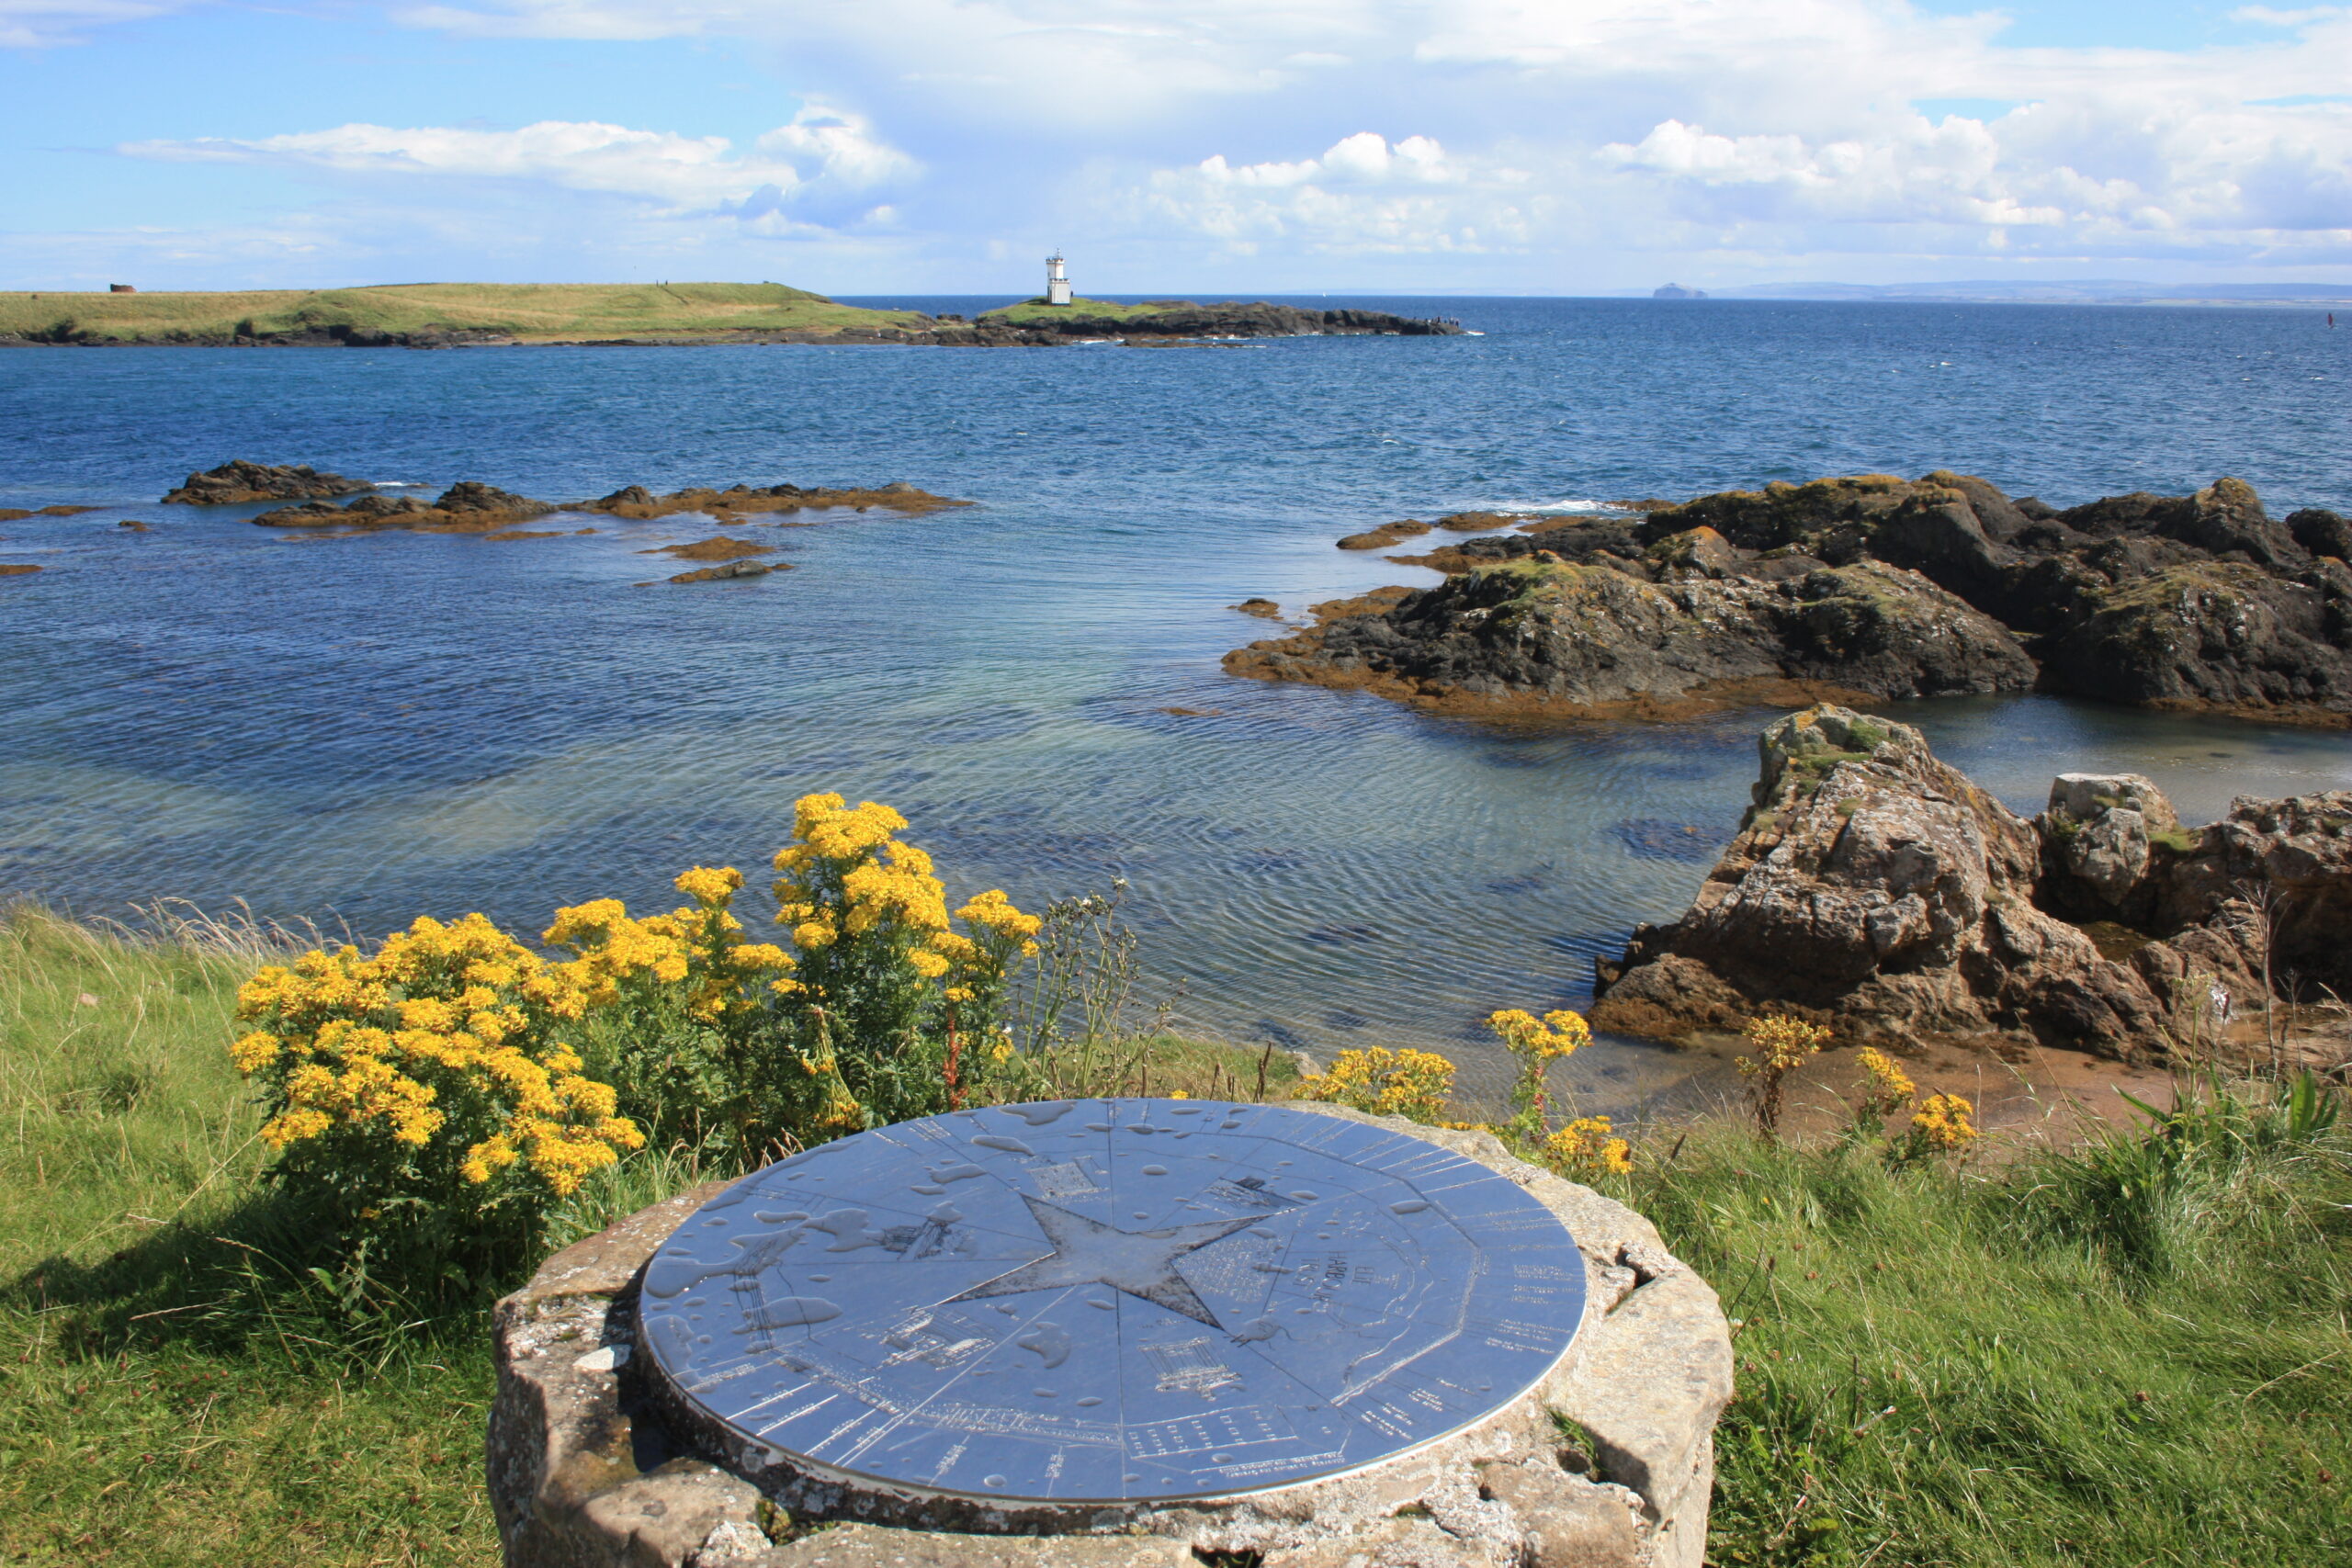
(237, 482)
(739, 499)
(2197, 601)
(1875, 889)
(1543, 634)
(466, 507)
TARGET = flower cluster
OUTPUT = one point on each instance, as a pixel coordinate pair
(1537, 1043)
(1554, 1036)
(1887, 1089)
(1783, 1044)
(1584, 1148)
(870, 918)
(442, 1042)
(1941, 1122)
(1414, 1084)
(698, 946)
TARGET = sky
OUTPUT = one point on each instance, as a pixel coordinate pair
(861, 147)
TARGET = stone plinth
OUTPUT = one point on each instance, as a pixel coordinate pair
(1607, 1461)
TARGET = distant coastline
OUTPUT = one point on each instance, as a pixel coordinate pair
(455, 315)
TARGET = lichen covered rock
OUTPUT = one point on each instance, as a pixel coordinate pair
(1873, 887)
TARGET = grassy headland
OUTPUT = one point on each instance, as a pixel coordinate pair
(1033, 312)
(526, 312)
(2133, 1353)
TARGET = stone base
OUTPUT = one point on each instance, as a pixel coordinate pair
(583, 1475)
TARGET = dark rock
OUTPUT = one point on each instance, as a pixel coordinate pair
(2321, 532)
(1595, 636)
(1264, 609)
(1191, 320)
(2185, 602)
(238, 482)
(2211, 635)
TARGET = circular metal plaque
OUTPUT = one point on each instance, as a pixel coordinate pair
(1109, 1302)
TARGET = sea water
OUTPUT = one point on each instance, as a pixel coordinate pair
(361, 729)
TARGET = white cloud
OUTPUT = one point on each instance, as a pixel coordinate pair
(36, 23)
(1577, 134)
(1362, 195)
(682, 172)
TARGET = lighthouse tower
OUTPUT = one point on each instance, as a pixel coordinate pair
(1057, 280)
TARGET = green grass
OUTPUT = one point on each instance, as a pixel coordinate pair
(530, 311)
(168, 1401)
(1033, 310)
(2074, 1361)
(2134, 1355)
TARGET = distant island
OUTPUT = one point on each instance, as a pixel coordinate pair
(444, 315)
(1675, 291)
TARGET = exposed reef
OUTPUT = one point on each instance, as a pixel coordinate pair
(1875, 888)
(2198, 603)
(18, 514)
(733, 569)
(738, 501)
(238, 481)
(466, 507)
(720, 548)
(469, 507)
(1034, 323)
(7, 570)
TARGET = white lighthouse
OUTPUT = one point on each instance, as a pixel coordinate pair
(1057, 280)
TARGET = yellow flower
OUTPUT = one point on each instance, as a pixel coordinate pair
(1942, 1122)
(1385, 1082)
(1887, 1089)
(1557, 1034)
(707, 885)
(1584, 1146)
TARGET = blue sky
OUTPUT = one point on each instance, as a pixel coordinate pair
(872, 146)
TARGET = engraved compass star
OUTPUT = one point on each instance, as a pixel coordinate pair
(1087, 1252)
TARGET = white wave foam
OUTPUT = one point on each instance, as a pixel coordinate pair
(1572, 504)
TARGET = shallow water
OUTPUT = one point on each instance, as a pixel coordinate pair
(364, 728)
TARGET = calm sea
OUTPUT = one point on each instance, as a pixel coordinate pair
(361, 729)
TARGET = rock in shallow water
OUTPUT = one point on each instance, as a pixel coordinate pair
(1550, 635)
(238, 481)
(1873, 887)
(2198, 601)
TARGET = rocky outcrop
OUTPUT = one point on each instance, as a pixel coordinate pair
(1549, 635)
(467, 507)
(2198, 601)
(2193, 601)
(1876, 889)
(238, 482)
(738, 501)
(1172, 321)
